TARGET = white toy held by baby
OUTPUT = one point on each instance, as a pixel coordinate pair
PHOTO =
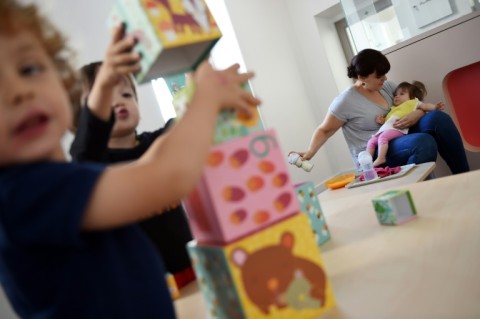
(296, 159)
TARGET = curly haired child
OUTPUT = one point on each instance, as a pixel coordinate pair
(69, 246)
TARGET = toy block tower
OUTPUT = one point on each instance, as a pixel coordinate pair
(254, 253)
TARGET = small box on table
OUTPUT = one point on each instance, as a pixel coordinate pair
(394, 207)
(275, 273)
(174, 36)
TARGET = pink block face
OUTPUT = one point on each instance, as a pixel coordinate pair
(248, 188)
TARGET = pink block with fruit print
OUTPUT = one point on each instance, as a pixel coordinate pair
(245, 187)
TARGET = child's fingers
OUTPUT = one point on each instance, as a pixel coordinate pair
(244, 77)
(125, 45)
(246, 104)
(250, 99)
(127, 58)
(245, 108)
(233, 68)
(118, 32)
(127, 69)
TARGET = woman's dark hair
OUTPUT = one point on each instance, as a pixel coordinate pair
(416, 89)
(366, 62)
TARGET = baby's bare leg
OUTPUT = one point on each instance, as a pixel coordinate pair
(383, 140)
(382, 154)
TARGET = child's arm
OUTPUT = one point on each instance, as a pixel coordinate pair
(119, 60)
(427, 107)
(171, 168)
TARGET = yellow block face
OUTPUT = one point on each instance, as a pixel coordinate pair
(279, 272)
(178, 22)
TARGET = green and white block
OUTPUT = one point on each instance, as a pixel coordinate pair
(394, 207)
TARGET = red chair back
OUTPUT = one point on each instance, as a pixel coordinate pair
(462, 90)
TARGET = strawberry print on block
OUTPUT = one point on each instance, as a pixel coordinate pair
(245, 187)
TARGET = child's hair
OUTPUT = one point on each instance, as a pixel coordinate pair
(416, 89)
(15, 16)
(87, 76)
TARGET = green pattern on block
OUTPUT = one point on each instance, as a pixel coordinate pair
(310, 205)
(215, 281)
(386, 206)
(384, 212)
(228, 127)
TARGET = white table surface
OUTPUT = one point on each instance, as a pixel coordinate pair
(426, 268)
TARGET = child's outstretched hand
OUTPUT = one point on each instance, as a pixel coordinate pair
(120, 59)
(440, 106)
(223, 89)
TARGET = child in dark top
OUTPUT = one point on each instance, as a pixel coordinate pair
(115, 140)
(69, 246)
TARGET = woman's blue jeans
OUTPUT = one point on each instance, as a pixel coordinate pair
(434, 132)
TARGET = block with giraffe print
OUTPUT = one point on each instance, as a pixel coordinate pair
(174, 36)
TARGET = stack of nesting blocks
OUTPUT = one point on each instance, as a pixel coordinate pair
(254, 253)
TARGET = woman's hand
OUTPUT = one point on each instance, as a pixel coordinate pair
(303, 155)
(408, 120)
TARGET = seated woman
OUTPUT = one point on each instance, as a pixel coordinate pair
(356, 108)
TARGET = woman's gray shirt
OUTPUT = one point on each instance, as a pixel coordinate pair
(359, 114)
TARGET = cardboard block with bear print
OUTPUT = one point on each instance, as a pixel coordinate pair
(244, 187)
(394, 207)
(275, 273)
(174, 36)
(310, 205)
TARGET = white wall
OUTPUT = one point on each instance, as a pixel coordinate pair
(438, 50)
(283, 41)
(280, 40)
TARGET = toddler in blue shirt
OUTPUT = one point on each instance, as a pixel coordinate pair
(68, 244)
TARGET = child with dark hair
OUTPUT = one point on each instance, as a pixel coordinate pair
(408, 97)
(69, 246)
(115, 140)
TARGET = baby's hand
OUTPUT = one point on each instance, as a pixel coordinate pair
(223, 88)
(380, 119)
(440, 106)
(119, 59)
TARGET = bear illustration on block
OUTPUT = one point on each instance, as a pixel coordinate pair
(291, 281)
